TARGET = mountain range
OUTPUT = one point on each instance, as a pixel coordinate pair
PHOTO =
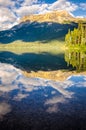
(43, 27)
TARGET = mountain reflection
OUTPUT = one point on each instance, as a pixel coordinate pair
(76, 58)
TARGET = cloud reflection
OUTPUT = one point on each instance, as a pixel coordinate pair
(20, 96)
(50, 93)
(4, 109)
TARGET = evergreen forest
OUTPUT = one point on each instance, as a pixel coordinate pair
(77, 37)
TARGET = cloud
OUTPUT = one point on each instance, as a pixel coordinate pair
(6, 15)
(26, 10)
(7, 3)
(38, 8)
(8, 88)
(11, 10)
(32, 9)
(83, 6)
(29, 2)
(63, 5)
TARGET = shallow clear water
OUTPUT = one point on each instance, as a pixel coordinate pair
(40, 104)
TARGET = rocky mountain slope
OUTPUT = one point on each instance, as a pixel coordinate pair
(60, 16)
(55, 16)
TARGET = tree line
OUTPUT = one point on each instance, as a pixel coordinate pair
(77, 36)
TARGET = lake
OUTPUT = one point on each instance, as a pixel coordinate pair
(45, 61)
(37, 103)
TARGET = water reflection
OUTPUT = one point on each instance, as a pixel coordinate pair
(4, 109)
(34, 61)
(34, 103)
(76, 58)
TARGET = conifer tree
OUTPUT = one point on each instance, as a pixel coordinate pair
(77, 36)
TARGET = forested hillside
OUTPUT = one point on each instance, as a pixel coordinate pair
(31, 32)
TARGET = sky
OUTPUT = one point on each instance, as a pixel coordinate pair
(12, 10)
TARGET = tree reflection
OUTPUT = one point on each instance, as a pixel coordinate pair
(76, 58)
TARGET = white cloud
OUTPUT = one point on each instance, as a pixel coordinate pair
(63, 5)
(26, 10)
(7, 17)
(11, 10)
(29, 2)
(32, 9)
(83, 6)
(8, 88)
(7, 3)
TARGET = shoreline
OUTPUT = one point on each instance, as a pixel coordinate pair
(58, 75)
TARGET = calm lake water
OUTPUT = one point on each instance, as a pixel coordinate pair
(40, 104)
(34, 62)
(70, 59)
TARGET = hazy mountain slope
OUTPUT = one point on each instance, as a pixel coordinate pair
(30, 32)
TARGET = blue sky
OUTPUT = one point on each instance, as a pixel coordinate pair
(80, 11)
(12, 10)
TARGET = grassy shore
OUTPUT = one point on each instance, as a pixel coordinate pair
(19, 47)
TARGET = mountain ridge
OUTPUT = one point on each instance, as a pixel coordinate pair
(35, 31)
(59, 16)
(41, 27)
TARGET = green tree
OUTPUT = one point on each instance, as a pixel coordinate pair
(77, 36)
